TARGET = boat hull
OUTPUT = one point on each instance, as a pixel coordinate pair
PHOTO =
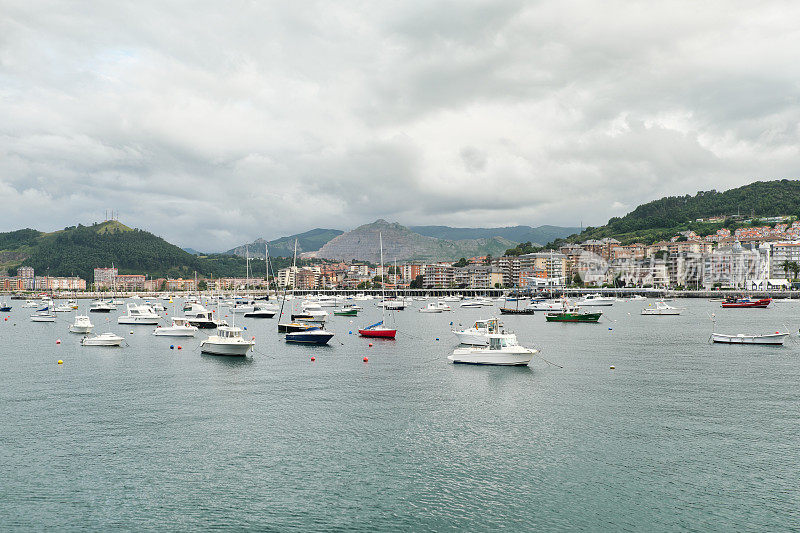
(775, 339)
(378, 333)
(353, 312)
(238, 350)
(473, 356)
(292, 328)
(174, 332)
(587, 318)
(759, 304)
(260, 314)
(512, 311)
(309, 337)
(80, 329)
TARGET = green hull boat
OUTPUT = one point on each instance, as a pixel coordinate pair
(591, 318)
(346, 312)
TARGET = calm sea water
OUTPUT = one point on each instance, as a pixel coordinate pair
(683, 435)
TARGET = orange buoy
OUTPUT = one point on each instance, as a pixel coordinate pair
(370, 344)
(179, 346)
(58, 341)
(313, 359)
(365, 359)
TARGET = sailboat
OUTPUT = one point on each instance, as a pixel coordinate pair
(379, 329)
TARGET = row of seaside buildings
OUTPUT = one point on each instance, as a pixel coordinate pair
(754, 258)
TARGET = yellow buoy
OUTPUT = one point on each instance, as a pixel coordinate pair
(60, 362)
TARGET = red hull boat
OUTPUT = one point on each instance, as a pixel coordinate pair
(747, 304)
(380, 333)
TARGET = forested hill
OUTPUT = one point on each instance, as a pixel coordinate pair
(662, 218)
(77, 250)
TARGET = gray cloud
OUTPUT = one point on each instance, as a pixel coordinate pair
(213, 124)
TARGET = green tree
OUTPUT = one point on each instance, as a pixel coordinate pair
(202, 285)
(416, 283)
(488, 260)
(786, 265)
(795, 268)
(576, 279)
(461, 263)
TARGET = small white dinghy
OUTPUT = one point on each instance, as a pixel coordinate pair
(502, 350)
(775, 339)
(180, 328)
(661, 309)
(104, 339)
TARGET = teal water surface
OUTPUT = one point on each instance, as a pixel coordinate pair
(682, 435)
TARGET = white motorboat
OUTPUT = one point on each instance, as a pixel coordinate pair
(104, 339)
(63, 308)
(471, 303)
(72, 303)
(596, 300)
(82, 324)
(31, 303)
(638, 298)
(774, 339)
(393, 305)
(451, 299)
(43, 315)
(262, 311)
(180, 328)
(139, 314)
(431, 308)
(99, 306)
(312, 312)
(227, 341)
(478, 334)
(547, 305)
(661, 309)
(501, 350)
(443, 306)
(201, 317)
(242, 307)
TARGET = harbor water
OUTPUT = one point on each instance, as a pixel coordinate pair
(680, 435)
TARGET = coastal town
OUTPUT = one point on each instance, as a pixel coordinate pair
(753, 257)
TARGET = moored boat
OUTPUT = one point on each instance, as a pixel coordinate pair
(227, 341)
(661, 309)
(746, 303)
(104, 339)
(313, 335)
(502, 349)
(478, 334)
(774, 339)
(82, 324)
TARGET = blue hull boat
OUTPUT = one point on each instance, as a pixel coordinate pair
(310, 336)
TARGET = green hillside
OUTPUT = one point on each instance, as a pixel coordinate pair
(77, 250)
(662, 219)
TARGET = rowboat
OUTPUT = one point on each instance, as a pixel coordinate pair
(774, 339)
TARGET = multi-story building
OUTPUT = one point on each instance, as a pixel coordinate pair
(782, 254)
(105, 277)
(12, 283)
(730, 267)
(53, 283)
(306, 279)
(286, 276)
(438, 276)
(27, 276)
(129, 282)
(509, 265)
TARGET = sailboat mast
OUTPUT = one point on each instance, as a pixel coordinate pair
(383, 281)
(266, 260)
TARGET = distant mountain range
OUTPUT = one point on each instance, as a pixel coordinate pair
(310, 241)
(456, 242)
(516, 234)
(402, 244)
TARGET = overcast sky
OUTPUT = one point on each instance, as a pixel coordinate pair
(213, 123)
